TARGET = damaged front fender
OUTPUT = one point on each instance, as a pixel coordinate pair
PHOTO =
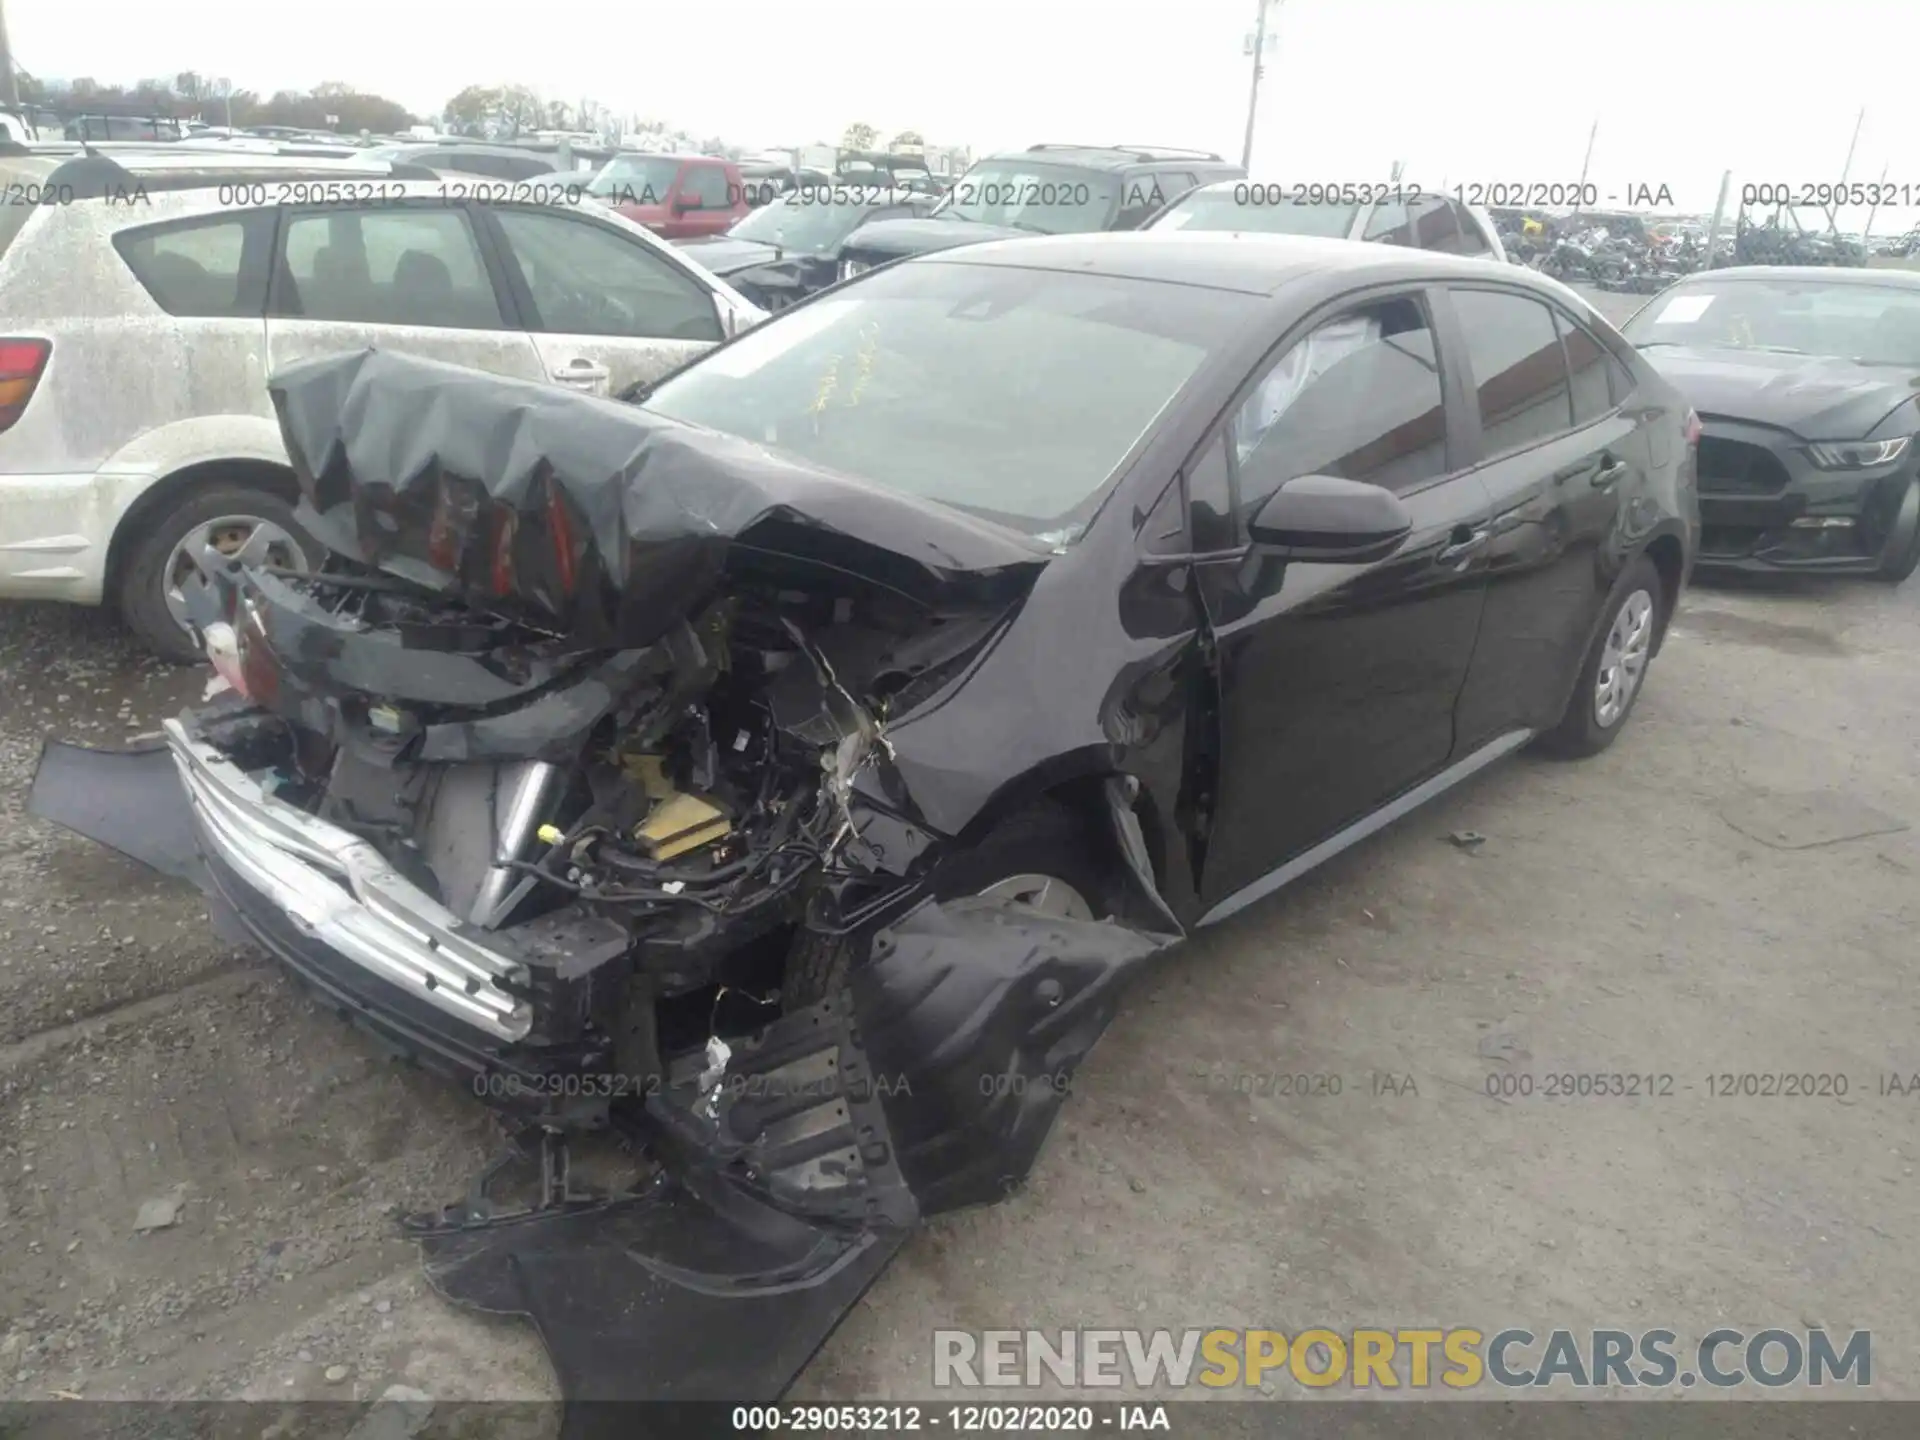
(979, 1013)
(929, 1085)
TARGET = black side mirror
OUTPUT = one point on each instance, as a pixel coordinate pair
(1322, 517)
(686, 203)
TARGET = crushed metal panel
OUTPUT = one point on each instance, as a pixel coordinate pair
(589, 516)
(128, 800)
(974, 1016)
(799, 1160)
(665, 1296)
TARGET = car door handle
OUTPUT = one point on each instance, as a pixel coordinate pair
(580, 372)
(1610, 470)
(1462, 544)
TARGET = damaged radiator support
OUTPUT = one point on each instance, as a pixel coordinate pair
(482, 817)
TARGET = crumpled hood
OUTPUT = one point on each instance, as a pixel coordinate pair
(726, 255)
(590, 516)
(1817, 397)
(921, 237)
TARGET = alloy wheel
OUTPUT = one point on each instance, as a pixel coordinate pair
(1623, 659)
(1045, 894)
(247, 538)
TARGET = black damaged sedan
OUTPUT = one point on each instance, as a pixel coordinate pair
(784, 252)
(790, 768)
(1807, 381)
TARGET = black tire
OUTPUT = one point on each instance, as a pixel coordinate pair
(1580, 731)
(142, 583)
(1897, 567)
(1045, 839)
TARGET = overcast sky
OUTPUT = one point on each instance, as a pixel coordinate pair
(1461, 90)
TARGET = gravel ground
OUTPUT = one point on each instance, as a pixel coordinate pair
(1612, 920)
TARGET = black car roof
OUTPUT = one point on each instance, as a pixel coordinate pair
(1253, 264)
(1111, 157)
(1836, 274)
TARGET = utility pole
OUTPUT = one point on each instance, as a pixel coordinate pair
(1259, 68)
(8, 95)
(1866, 234)
(1579, 196)
(1719, 213)
(1833, 211)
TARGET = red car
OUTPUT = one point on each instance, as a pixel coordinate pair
(675, 196)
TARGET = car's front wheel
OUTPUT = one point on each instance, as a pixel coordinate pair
(1043, 858)
(229, 519)
(1615, 668)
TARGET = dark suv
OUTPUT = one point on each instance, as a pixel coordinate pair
(1042, 190)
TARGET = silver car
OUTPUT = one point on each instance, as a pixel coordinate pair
(145, 297)
(1383, 214)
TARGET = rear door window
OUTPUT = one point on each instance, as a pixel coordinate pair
(1140, 196)
(403, 265)
(1470, 241)
(1620, 382)
(1518, 368)
(708, 185)
(1587, 361)
(586, 279)
(1435, 226)
(196, 267)
(1177, 182)
(1389, 224)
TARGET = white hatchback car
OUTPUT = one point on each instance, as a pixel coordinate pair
(145, 297)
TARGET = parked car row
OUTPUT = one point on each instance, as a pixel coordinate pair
(1061, 189)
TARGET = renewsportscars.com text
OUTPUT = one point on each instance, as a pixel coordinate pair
(1389, 1359)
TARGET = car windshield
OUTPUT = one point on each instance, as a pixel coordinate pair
(1223, 209)
(1872, 324)
(1044, 198)
(812, 222)
(635, 180)
(1010, 393)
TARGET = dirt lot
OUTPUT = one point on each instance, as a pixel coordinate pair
(1614, 919)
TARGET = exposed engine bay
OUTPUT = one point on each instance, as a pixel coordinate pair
(694, 798)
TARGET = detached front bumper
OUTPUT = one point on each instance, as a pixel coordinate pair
(338, 892)
(504, 1012)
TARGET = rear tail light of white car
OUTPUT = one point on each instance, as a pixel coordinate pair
(22, 362)
(1694, 428)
